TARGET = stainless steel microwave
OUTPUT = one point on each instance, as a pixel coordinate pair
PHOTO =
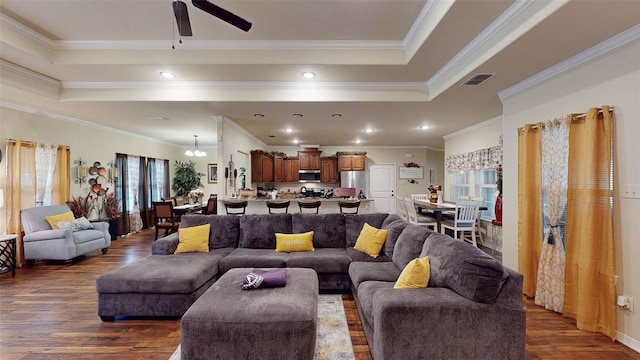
(309, 176)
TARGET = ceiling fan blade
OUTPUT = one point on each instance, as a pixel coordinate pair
(182, 18)
(222, 14)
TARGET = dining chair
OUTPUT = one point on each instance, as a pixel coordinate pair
(179, 200)
(479, 229)
(172, 199)
(212, 206)
(309, 204)
(401, 209)
(278, 204)
(421, 197)
(467, 212)
(235, 207)
(418, 219)
(349, 206)
(164, 217)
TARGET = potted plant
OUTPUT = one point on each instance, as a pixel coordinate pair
(186, 178)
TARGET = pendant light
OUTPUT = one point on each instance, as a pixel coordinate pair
(195, 152)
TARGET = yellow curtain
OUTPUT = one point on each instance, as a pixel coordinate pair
(61, 180)
(20, 189)
(530, 220)
(589, 282)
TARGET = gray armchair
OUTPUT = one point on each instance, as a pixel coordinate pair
(43, 243)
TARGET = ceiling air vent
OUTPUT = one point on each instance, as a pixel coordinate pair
(477, 79)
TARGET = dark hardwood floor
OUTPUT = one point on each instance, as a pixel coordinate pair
(49, 311)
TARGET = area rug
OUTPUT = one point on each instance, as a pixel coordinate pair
(333, 341)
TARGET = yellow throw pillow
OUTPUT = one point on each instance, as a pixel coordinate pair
(370, 240)
(294, 242)
(54, 219)
(193, 239)
(415, 275)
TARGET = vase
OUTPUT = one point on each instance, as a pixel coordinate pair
(433, 197)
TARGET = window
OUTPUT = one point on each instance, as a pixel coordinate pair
(459, 181)
(486, 188)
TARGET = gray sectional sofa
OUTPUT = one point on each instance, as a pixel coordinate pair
(471, 309)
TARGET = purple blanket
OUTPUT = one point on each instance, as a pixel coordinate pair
(259, 279)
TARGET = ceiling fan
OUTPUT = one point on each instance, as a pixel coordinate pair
(182, 16)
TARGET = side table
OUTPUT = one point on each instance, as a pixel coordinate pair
(8, 254)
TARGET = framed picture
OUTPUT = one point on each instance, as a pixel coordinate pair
(213, 173)
(410, 172)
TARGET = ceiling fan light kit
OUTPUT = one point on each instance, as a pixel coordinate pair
(184, 24)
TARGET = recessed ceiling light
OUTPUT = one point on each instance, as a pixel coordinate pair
(167, 75)
(258, 115)
(369, 130)
(289, 130)
(297, 115)
(424, 127)
(295, 141)
(336, 115)
(308, 75)
(358, 141)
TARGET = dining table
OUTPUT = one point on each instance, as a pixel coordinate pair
(180, 210)
(438, 208)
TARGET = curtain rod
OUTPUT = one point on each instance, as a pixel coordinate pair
(29, 143)
(581, 115)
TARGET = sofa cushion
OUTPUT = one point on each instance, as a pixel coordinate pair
(257, 231)
(84, 236)
(415, 275)
(360, 256)
(328, 229)
(464, 268)
(253, 258)
(353, 225)
(409, 244)
(394, 225)
(323, 260)
(370, 240)
(294, 242)
(161, 274)
(225, 229)
(360, 272)
(193, 239)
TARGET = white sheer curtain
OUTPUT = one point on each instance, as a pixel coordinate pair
(555, 164)
(133, 195)
(160, 176)
(45, 166)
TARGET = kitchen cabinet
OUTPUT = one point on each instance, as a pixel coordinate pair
(309, 159)
(329, 171)
(278, 175)
(261, 167)
(351, 162)
(290, 169)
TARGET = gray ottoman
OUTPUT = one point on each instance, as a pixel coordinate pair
(227, 322)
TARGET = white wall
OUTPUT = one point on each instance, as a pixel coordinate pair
(612, 79)
(92, 143)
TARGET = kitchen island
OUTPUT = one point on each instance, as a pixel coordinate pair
(328, 206)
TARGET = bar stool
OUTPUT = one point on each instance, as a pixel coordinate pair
(237, 207)
(352, 205)
(278, 204)
(309, 204)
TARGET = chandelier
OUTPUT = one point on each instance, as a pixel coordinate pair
(195, 152)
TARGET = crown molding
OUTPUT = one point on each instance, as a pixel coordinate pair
(492, 121)
(240, 129)
(26, 31)
(617, 41)
(30, 74)
(244, 85)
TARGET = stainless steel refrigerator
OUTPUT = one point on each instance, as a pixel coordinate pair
(355, 179)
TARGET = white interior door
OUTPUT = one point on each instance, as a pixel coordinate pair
(383, 187)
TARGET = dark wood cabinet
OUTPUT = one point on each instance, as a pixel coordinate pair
(329, 171)
(261, 167)
(309, 159)
(290, 169)
(278, 170)
(351, 162)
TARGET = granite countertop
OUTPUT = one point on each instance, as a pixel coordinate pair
(263, 199)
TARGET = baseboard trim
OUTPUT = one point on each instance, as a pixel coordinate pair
(628, 341)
